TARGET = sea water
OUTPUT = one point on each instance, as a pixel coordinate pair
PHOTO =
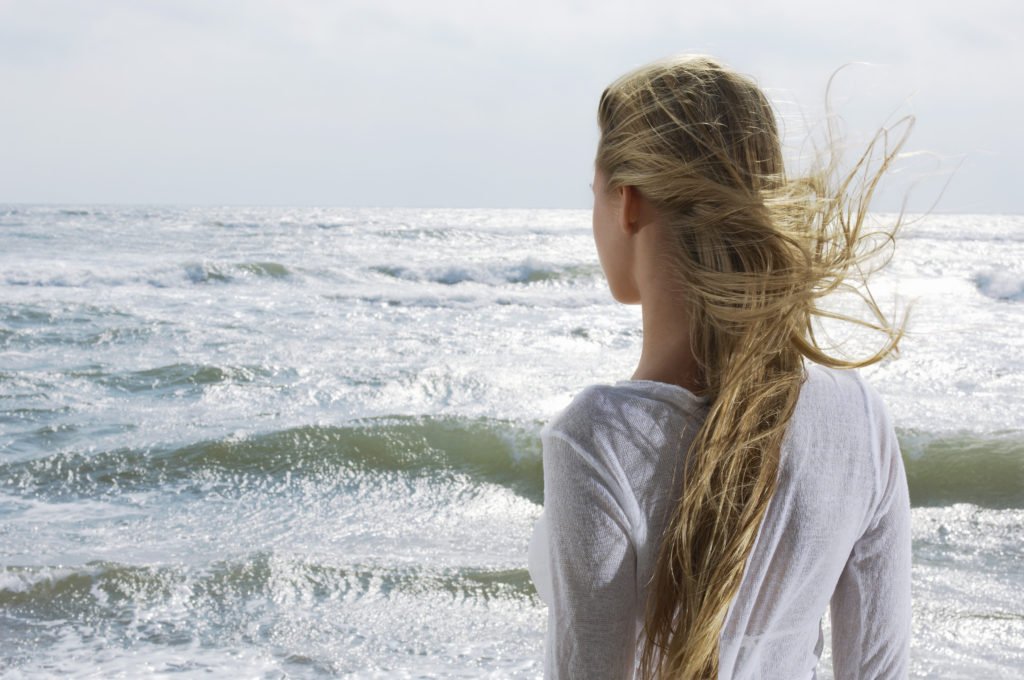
(273, 442)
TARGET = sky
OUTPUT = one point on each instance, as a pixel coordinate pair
(453, 103)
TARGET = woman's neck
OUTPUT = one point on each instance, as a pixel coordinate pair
(666, 355)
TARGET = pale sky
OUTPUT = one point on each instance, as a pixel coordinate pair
(452, 103)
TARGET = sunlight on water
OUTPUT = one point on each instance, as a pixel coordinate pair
(282, 442)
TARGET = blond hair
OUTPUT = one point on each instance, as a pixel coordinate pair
(754, 252)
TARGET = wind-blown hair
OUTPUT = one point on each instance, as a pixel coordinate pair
(754, 253)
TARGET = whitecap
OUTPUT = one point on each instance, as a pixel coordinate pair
(1000, 285)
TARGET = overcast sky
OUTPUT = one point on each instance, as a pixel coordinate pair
(466, 104)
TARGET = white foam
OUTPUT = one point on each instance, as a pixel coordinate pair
(14, 580)
(1000, 285)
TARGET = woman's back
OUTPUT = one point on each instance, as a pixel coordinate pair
(837, 528)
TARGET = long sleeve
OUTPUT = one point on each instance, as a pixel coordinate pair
(592, 613)
(871, 606)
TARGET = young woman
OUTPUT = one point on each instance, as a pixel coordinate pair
(700, 517)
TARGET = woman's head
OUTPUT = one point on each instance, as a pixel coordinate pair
(698, 143)
(750, 253)
(687, 123)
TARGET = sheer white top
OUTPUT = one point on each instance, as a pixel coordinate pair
(837, 531)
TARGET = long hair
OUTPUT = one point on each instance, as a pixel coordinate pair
(753, 254)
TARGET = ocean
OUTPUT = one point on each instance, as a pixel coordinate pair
(303, 443)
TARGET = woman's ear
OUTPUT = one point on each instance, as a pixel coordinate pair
(627, 210)
(634, 210)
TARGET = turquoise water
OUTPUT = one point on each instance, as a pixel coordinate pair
(281, 442)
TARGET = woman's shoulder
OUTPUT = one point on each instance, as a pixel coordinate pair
(841, 423)
(846, 389)
(592, 404)
(622, 409)
(616, 436)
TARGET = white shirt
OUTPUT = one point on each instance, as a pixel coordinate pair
(837, 530)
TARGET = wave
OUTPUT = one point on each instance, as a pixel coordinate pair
(98, 588)
(228, 224)
(422, 301)
(81, 279)
(82, 324)
(163, 378)
(1000, 285)
(984, 470)
(524, 273)
(273, 270)
(195, 272)
(487, 451)
(31, 315)
(207, 272)
(987, 471)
